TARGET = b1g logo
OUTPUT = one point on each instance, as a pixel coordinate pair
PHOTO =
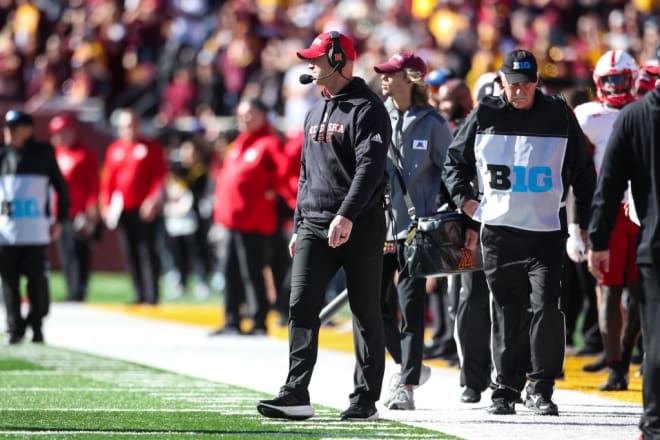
(20, 208)
(520, 179)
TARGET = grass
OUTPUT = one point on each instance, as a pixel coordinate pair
(53, 393)
(116, 287)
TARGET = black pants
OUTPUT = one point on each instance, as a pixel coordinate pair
(189, 257)
(442, 306)
(523, 271)
(649, 301)
(30, 261)
(75, 255)
(473, 331)
(138, 244)
(243, 268)
(280, 265)
(405, 343)
(314, 264)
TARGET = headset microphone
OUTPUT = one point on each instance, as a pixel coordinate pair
(306, 79)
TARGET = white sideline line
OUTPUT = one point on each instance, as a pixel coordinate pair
(172, 410)
(178, 433)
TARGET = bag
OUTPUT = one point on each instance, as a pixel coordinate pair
(434, 246)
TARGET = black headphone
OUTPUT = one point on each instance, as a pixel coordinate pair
(336, 55)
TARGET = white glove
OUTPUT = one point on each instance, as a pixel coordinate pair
(575, 247)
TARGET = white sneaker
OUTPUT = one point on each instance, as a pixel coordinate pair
(403, 400)
(395, 381)
(424, 375)
(393, 385)
(202, 291)
(175, 291)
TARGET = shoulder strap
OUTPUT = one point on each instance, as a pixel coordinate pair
(397, 168)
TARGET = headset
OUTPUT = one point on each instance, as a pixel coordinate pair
(336, 55)
(337, 59)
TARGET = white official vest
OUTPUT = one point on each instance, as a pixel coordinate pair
(520, 178)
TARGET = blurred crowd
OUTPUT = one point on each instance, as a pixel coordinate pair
(173, 58)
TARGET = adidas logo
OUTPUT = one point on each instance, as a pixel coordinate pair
(377, 138)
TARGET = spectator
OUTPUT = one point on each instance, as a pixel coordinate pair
(80, 168)
(185, 186)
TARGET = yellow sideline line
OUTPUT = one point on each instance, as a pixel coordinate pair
(341, 339)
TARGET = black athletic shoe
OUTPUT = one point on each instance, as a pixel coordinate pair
(502, 406)
(595, 366)
(285, 406)
(37, 335)
(16, 336)
(616, 380)
(541, 405)
(360, 411)
(229, 330)
(470, 395)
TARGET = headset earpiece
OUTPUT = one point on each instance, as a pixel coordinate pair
(336, 56)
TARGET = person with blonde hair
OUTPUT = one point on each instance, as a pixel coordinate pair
(415, 159)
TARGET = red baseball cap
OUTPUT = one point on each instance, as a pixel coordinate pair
(59, 123)
(322, 44)
(401, 61)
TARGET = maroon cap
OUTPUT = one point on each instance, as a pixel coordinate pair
(59, 123)
(322, 45)
(400, 61)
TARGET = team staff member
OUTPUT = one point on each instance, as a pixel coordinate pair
(526, 148)
(420, 137)
(130, 197)
(253, 174)
(631, 155)
(80, 168)
(339, 223)
(472, 322)
(27, 170)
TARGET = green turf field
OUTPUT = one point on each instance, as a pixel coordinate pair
(115, 287)
(52, 393)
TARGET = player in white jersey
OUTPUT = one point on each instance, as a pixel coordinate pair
(615, 77)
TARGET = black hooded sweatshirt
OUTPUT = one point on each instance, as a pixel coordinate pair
(632, 153)
(343, 157)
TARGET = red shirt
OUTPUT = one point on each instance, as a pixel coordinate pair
(136, 170)
(253, 173)
(80, 168)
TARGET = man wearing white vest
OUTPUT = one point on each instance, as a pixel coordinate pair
(526, 148)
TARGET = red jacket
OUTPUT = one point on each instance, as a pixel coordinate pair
(80, 169)
(137, 170)
(252, 175)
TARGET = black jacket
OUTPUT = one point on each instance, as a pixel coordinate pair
(25, 176)
(632, 153)
(549, 117)
(343, 157)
